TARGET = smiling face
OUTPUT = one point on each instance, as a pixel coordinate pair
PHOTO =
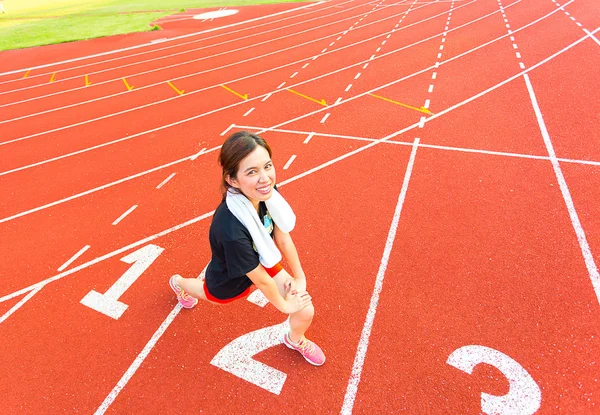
(255, 177)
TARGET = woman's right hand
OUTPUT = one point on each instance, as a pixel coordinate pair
(297, 301)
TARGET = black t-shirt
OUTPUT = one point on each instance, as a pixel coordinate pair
(233, 252)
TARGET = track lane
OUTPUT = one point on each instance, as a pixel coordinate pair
(485, 255)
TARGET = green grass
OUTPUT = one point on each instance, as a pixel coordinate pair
(30, 23)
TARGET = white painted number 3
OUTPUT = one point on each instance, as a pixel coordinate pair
(524, 396)
(108, 303)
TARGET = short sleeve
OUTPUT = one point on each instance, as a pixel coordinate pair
(240, 257)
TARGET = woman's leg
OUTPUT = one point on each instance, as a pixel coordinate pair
(301, 320)
(192, 286)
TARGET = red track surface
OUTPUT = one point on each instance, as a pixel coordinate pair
(473, 229)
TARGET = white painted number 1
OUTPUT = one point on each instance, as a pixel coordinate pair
(524, 396)
(108, 303)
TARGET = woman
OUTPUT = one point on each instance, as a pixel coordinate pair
(248, 236)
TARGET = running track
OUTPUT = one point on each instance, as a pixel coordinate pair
(447, 192)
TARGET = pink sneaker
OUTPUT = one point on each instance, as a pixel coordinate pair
(309, 350)
(186, 300)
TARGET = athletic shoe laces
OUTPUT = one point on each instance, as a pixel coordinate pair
(306, 345)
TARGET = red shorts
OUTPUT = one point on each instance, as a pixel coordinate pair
(271, 271)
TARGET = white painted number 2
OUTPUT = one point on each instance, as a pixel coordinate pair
(524, 396)
(236, 358)
(108, 303)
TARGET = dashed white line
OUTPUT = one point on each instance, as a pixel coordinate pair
(439, 55)
(521, 65)
(120, 218)
(311, 135)
(307, 140)
(248, 112)
(281, 85)
(366, 64)
(73, 258)
(267, 97)
(289, 162)
(227, 130)
(427, 102)
(324, 50)
(434, 75)
(518, 55)
(331, 44)
(325, 118)
(164, 182)
(357, 76)
(305, 65)
(378, 49)
(337, 101)
(422, 122)
(348, 87)
(430, 90)
(198, 154)
(294, 74)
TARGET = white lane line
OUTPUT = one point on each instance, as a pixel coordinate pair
(430, 90)
(300, 83)
(439, 55)
(174, 65)
(289, 162)
(357, 76)
(165, 181)
(99, 188)
(422, 122)
(432, 146)
(378, 50)
(305, 65)
(331, 44)
(227, 130)
(325, 118)
(14, 308)
(363, 343)
(281, 85)
(138, 361)
(172, 39)
(521, 65)
(73, 258)
(248, 112)
(366, 64)
(434, 75)
(324, 50)
(590, 34)
(583, 244)
(348, 87)
(518, 55)
(266, 97)
(182, 77)
(294, 74)
(311, 135)
(427, 102)
(120, 218)
(348, 100)
(337, 101)
(308, 172)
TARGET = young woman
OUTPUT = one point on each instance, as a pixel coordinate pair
(248, 236)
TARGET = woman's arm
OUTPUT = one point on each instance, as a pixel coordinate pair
(292, 302)
(284, 242)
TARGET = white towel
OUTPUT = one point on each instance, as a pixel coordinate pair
(281, 213)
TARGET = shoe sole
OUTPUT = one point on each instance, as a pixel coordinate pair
(290, 347)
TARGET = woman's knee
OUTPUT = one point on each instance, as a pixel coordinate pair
(307, 313)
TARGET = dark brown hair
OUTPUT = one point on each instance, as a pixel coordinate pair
(234, 150)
